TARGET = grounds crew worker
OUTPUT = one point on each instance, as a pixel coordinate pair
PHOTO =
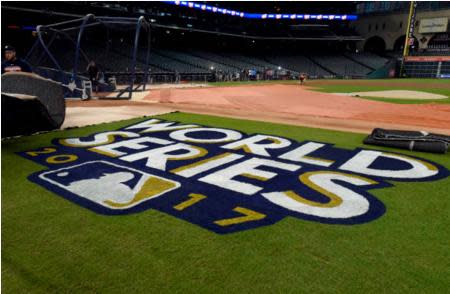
(12, 63)
(302, 78)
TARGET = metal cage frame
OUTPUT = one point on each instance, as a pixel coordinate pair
(91, 20)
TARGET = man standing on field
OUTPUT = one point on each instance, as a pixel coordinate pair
(302, 78)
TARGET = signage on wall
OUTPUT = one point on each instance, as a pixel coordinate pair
(433, 25)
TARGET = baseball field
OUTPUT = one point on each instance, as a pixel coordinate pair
(207, 231)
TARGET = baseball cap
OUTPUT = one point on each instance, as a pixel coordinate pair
(9, 48)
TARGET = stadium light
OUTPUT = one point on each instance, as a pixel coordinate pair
(204, 7)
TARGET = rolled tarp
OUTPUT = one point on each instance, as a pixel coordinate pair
(30, 104)
(410, 140)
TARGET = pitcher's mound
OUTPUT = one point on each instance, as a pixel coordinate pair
(397, 94)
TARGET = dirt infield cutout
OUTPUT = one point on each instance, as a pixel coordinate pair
(396, 94)
(287, 104)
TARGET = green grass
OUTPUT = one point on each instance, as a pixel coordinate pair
(435, 86)
(50, 245)
(407, 101)
(392, 81)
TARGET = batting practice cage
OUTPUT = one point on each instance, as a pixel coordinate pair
(117, 47)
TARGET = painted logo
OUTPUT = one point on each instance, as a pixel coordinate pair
(221, 179)
(107, 186)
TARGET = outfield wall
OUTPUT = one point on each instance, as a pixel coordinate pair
(427, 66)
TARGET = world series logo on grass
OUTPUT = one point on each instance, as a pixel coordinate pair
(222, 179)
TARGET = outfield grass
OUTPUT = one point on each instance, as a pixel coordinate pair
(435, 86)
(51, 245)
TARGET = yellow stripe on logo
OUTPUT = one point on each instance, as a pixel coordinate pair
(195, 164)
(249, 215)
(62, 158)
(255, 177)
(46, 150)
(194, 199)
(334, 200)
(152, 187)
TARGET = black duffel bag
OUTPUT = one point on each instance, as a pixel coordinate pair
(410, 140)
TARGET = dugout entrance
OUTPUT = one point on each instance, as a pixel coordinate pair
(119, 47)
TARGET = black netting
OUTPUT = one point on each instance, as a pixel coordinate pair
(107, 42)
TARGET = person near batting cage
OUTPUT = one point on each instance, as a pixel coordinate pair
(12, 63)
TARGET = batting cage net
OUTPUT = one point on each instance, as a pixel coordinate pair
(108, 56)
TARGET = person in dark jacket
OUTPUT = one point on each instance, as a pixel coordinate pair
(93, 72)
(12, 62)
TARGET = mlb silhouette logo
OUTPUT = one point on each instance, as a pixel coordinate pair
(108, 185)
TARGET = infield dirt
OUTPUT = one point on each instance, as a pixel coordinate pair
(290, 104)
